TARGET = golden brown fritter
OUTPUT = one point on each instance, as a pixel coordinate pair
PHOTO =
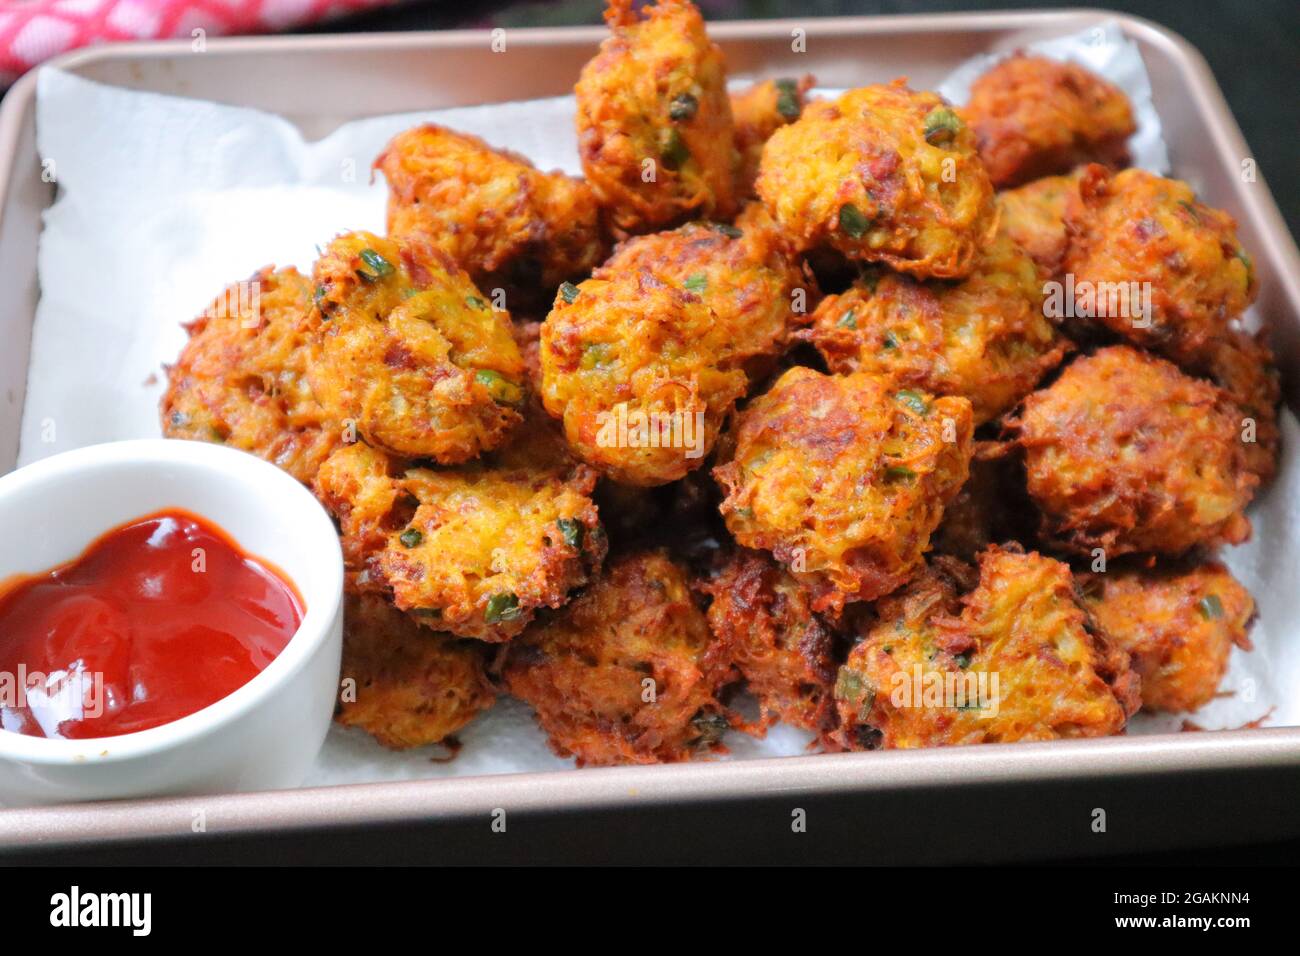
(411, 352)
(758, 111)
(646, 359)
(1033, 217)
(1135, 231)
(1126, 453)
(502, 220)
(1179, 624)
(627, 672)
(778, 645)
(1242, 365)
(843, 479)
(412, 687)
(241, 379)
(984, 338)
(882, 174)
(654, 121)
(475, 550)
(745, 273)
(1037, 117)
(1017, 658)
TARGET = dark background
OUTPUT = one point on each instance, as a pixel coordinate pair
(1253, 47)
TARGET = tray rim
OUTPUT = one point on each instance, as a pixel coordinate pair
(1164, 756)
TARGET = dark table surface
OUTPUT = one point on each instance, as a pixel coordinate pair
(1253, 48)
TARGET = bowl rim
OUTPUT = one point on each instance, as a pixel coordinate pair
(292, 502)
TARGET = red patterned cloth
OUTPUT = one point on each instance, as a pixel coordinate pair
(35, 30)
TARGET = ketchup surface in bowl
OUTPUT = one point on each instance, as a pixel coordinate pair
(155, 620)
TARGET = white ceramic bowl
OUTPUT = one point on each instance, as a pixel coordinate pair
(266, 734)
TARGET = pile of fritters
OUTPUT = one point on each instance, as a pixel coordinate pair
(843, 413)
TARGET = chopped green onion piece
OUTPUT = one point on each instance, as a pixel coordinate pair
(319, 293)
(849, 320)
(572, 530)
(941, 126)
(963, 659)
(852, 222)
(568, 292)
(913, 400)
(697, 282)
(410, 538)
(683, 107)
(474, 302)
(594, 355)
(1211, 607)
(787, 99)
(672, 148)
(376, 265)
(502, 607)
(899, 473)
(499, 387)
(890, 341)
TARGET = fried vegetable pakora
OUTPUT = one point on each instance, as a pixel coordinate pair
(241, 380)
(411, 352)
(1179, 623)
(882, 174)
(1016, 658)
(1033, 217)
(745, 273)
(778, 645)
(984, 337)
(1126, 453)
(1242, 365)
(1135, 231)
(654, 120)
(645, 360)
(843, 479)
(627, 672)
(758, 111)
(412, 687)
(1037, 117)
(503, 221)
(474, 550)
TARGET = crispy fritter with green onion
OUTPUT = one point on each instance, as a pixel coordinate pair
(983, 337)
(883, 174)
(1178, 620)
(627, 672)
(476, 549)
(654, 121)
(758, 111)
(1014, 658)
(1154, 265)
(403, 685)
(844, 478)
(411, 353)
(1127, 454)
(241, 379)
(1034, 116)
(503, 221)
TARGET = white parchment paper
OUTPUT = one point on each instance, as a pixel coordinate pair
(163, 201)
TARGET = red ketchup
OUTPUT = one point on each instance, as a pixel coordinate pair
(157, 619)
